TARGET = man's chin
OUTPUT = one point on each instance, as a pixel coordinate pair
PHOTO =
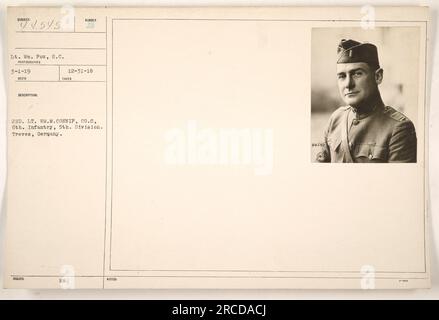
(352, 102)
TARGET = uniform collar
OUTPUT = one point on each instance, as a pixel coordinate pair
(366, 113)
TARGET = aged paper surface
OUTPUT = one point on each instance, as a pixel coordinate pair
(170, 148)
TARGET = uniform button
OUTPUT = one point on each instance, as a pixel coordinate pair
(355, 122)
(370, 156)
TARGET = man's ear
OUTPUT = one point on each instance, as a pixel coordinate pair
(379, 75)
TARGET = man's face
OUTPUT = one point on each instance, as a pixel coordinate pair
(357, 82)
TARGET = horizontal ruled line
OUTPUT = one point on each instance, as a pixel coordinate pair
(18, 31)
(31, 48)
(56, 65)
(52, 276)
(247, 271)
(256, 19)
(59, 81)
(213, 276)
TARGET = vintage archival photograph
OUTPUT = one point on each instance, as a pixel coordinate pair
(184, 162)
(364, 94)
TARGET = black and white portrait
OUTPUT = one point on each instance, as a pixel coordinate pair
(364, 94)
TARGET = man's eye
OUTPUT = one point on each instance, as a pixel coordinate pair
(358, 74)
(341, 76)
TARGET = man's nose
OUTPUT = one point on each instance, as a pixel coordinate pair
(349, 84)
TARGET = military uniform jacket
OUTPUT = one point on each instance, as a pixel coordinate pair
(383, 135)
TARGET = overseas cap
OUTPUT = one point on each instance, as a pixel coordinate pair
(350, 51)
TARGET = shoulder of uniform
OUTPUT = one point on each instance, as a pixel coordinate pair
(343, 108)
(395, 115)
(340, 110)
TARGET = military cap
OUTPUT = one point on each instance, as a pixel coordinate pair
(350, 51)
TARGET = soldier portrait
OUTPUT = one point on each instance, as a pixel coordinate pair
(364, 128)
